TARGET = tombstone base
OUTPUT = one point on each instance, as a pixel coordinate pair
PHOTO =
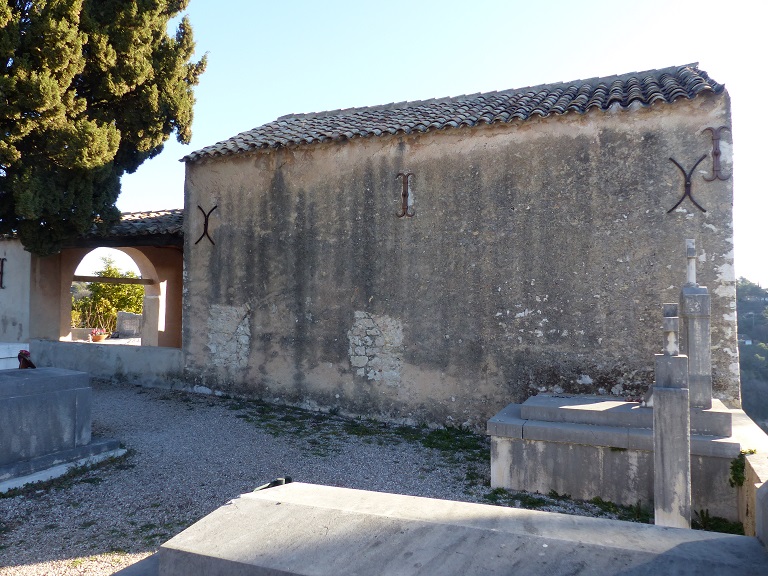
(55, 465)
(671, 451)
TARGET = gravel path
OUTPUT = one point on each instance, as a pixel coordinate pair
(190, 454)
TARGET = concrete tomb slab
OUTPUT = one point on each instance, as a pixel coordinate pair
(305, 529)
(45, 421)
(599, 410)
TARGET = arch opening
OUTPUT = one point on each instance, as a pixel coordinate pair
(157, 268)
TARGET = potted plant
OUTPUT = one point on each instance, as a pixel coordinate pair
(98, 334)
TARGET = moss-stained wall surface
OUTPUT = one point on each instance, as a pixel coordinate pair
(537, 260)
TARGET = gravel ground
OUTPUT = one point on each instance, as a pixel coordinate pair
(189, 454)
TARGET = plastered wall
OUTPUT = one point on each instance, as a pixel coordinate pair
(537, 260)
(14, 294)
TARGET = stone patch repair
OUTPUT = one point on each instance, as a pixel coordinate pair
(229, 336)
(376, 348)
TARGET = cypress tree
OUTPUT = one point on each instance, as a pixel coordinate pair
(89, 89)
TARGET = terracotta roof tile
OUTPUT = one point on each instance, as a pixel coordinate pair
(133, 224)
(580, 96)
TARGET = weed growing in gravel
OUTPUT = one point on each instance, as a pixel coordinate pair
(453, 439)
(564, 503)
(362, 428)
(324, 435)
(609, 507)
(92, 480)
(501, 497)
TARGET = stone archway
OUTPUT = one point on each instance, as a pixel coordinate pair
(154, 305)
(161, 271)
(154, 240)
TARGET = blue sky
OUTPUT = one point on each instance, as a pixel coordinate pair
(267, 59)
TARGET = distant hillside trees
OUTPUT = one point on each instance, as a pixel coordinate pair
(752, 319)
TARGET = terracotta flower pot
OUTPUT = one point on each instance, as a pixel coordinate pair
(98, 337)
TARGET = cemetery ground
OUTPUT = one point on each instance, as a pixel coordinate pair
(189, 454)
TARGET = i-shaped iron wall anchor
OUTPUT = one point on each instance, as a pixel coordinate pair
(716, 175)
(405, 210)
(687, 176)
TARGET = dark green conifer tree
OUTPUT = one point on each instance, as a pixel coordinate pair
(89, 89)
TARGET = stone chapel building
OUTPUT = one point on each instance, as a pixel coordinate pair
(436, 260)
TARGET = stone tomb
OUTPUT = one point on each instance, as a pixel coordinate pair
(305, 529)
(45, 425)
(597, 447)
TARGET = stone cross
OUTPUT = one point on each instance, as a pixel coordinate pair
(690, 253)
(695, 304)
(671, 327)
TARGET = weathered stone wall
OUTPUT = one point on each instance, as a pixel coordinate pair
(538, 260)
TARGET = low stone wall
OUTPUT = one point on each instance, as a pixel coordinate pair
(148, 366)
(753, 497)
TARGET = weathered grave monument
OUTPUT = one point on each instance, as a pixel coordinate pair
(671, 430)
(45, 425)
(128, 324)
(675, 449)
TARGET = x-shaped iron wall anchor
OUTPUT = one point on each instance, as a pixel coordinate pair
(205, 225)
(687, 176)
